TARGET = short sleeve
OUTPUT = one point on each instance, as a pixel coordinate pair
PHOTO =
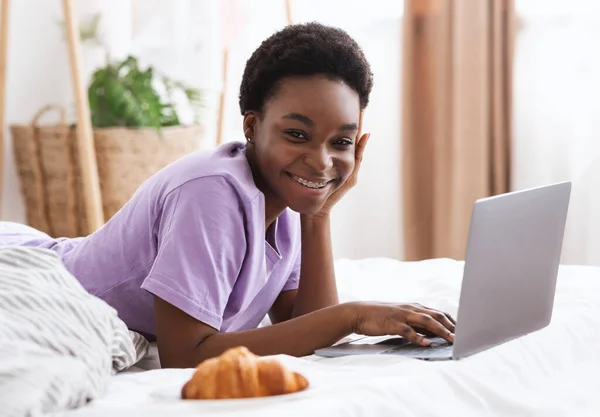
(294, 278)
(201, 247)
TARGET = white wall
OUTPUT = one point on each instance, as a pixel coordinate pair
(556, 131)
(38, 66)
(38, 71)
(37, 74)
(183, 39)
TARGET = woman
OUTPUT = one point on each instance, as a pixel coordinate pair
(211, 244)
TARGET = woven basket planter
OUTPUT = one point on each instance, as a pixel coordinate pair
(48, 167)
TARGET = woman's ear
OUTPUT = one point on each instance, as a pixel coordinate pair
(249, 125)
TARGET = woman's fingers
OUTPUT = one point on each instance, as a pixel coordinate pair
(360, 147)
(411, 321)
(427, 322)
(441, 316)
(450, 318)
(408, 333)
(360, 123)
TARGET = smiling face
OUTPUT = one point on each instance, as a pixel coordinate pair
(303, 142)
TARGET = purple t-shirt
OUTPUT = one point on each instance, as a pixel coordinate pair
(193, 235)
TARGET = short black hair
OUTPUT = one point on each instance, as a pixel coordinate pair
(304, 50)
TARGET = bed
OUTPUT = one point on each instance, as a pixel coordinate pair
(552, 372)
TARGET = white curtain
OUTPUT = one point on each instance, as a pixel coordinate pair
(556, 133)
(183, 37)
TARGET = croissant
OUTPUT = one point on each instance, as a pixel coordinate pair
(238, 373)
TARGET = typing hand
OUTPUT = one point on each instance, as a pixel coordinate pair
(413, 322)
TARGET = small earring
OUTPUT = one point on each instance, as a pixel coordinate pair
(248, 133)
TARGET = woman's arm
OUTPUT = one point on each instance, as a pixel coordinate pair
(317, 288)
(184, 342)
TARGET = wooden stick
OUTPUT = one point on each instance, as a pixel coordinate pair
(288, 12)
(85, 138)
(221, 118)
(4, 9)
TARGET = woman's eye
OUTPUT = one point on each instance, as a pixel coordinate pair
(343, 142)
(296, 134)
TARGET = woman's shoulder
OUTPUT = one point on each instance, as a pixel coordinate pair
(207, 174)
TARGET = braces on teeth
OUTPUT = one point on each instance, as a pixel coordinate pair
(310, 184)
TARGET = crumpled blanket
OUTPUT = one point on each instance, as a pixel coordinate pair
(59, 345)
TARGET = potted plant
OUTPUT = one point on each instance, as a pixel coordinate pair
(123, 94)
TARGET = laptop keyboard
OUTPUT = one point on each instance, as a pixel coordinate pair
(425, 351)
(438, 348)
(439, 344)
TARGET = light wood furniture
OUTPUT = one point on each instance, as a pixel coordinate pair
(85, 137)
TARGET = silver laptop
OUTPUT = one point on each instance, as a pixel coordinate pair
(509, 279)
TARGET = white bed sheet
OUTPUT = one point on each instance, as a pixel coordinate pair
(553, 372)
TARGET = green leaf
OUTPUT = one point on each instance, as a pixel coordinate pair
(123, 94)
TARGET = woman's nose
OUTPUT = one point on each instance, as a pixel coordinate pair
(319, 160)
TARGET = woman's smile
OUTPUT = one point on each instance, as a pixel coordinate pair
(312, 186)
